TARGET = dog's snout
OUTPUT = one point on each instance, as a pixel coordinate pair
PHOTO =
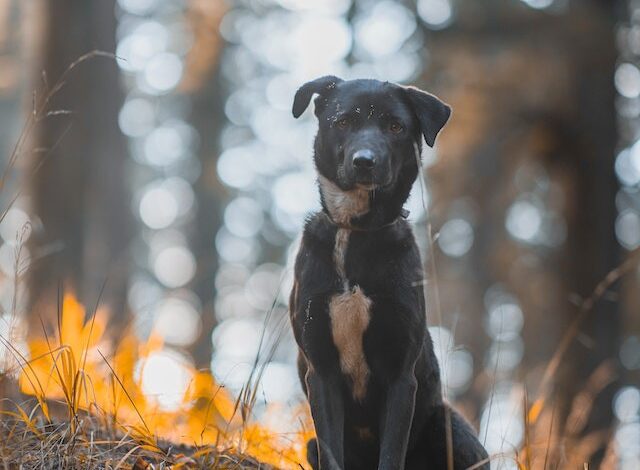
(364, 159)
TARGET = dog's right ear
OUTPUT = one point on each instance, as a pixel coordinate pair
(432, 113)
(318, 86)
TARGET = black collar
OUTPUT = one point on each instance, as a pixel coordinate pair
(404, 213)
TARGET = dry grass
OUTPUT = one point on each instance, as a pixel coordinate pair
(30, 442)
(89, 407)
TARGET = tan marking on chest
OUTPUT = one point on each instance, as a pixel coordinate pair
(339, 252)
(350, 316)
(343, 205)
(350, 313)
(364, 433)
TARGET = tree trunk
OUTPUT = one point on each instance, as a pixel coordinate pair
(81, 194)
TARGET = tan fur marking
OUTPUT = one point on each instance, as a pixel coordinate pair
(350, 310)
(343, 205)
(350, 317)
(364, 434)
(339, 252)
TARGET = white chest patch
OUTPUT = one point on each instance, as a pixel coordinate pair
(350, 312)
(343, 205)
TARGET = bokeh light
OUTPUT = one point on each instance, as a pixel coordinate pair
(456, 237)
(436, 14)
(164, 377)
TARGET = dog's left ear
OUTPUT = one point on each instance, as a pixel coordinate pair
(432, 113)
(303, 96)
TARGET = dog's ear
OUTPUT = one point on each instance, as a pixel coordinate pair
(303, 96)
(432, 113)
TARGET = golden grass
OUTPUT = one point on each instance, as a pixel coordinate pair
(31, 443)
(98, 393)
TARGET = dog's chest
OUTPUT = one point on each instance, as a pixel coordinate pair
(350, 313)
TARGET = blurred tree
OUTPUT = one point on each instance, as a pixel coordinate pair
(202, 83)
(10, 51)
(81, 193)
(529, 159)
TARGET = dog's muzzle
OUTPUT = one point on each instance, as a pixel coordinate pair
(364, 160)
(364, 166)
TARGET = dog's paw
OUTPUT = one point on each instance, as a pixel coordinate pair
(328, 461)
(312, 454)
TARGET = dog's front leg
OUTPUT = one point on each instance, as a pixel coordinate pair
(327, 410)
(396, 422)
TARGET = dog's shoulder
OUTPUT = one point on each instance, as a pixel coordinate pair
(401, 232)
(319, 231)
(317, 242)
(397, 237)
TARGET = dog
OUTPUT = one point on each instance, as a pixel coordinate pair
(357, 308)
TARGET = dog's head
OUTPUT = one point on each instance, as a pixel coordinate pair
(370, 132)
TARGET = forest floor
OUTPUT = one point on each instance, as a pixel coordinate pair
(87, 442)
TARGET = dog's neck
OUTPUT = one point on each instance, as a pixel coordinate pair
(358, 209)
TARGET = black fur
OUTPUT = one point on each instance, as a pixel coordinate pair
(401, 421)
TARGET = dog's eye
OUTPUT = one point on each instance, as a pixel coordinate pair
(342, 123)
(396, 127)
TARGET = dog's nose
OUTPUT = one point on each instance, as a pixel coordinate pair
(364, 159)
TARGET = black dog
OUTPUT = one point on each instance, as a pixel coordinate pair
(366, 359)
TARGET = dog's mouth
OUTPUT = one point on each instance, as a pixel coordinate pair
(368, 181)
(367, 186)
(359, 182)
(372, 183)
